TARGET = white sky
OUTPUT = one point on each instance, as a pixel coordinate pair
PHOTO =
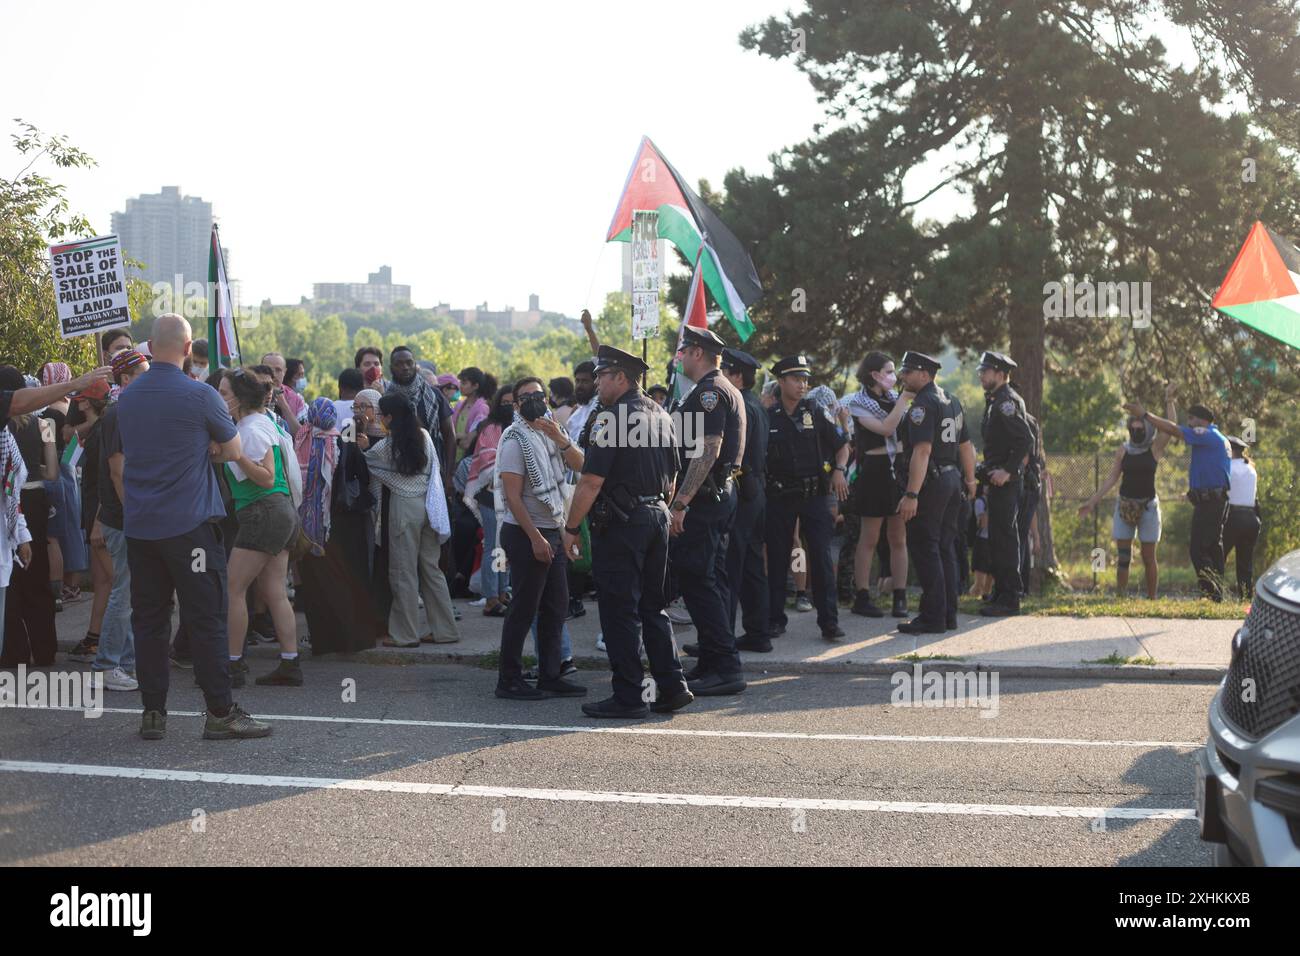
(477, 148)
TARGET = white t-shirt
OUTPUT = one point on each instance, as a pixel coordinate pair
(578, 419)
(257, 435)
(343, 407)
(1241, 483)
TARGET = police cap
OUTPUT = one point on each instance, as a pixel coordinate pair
(792, 365)
(919, 361)
(609, 357)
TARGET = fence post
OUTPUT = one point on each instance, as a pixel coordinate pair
(1096, 484)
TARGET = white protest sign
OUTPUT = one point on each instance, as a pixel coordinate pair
(645, 274)
(89, 285)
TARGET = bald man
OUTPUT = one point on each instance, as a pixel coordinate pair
(172, 429)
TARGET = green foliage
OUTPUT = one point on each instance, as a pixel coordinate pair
(1081, 415)
(34, 213)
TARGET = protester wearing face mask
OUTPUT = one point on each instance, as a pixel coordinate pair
(295, 377)
(877, 410)
(1137, 510)
(199, 360)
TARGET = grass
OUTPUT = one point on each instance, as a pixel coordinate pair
(922, 658)
(1115, 658)
(1093, 604)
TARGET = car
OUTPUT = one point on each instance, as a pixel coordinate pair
(1248, 773)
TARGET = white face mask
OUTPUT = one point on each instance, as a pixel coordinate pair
(198, 372)
(887, 381)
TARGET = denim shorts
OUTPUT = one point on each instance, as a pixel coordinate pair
(1147, 530)
(269, 524)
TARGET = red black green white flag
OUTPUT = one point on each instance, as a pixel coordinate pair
(1262, 289)
(223, 334)
(690, 225)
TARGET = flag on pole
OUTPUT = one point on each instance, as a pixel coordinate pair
(693, 315)
(693, 228)
(1262, 289)
(223, 334)
(72, 452)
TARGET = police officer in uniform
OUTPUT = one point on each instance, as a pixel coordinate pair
(746, 568)
(937, 452)
(1030, 494)
(712, 443)
(1007, 444)
(806, 458)
(627, 479)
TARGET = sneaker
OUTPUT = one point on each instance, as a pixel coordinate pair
(561, 688)
(757, 645)
(153, 726)
(678, 614)
(716, 685)
(185, 663)
(253, 638)
(479, 603)
(610, 707)
(86, 651)
(286, 674)
(671, 702)
(600, 642)
(568, 667)
(455, 613)
(900, 604)
(118, 679)
(801, 603)
(519, 690)
(575, 607)
(238, 673)
(236, 725)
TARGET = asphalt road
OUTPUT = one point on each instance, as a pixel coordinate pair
(1077, 772)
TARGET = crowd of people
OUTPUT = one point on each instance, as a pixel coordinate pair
(225, 494)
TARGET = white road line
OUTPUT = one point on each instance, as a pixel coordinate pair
(598, 796)
(657, 731)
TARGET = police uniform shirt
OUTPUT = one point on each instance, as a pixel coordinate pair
(799, 444)
(649, 467)
(1007, 436)
(716, 404)
(755, 459)
(928, 421)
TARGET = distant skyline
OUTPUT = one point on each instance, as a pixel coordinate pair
(478, 153)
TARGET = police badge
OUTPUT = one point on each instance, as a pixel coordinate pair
(917, 414)
(1008, 407)
(709, 400)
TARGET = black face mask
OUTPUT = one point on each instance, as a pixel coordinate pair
(532, 406)
(1137, 436)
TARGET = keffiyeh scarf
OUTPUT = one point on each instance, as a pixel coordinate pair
(422, 399)
(865, 404)
(318, 444)
(543, 467)
(13, 475)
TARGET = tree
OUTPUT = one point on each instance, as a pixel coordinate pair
(33, 213)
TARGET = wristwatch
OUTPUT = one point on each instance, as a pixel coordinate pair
(574, 531)
(909, 494)
(678, 505)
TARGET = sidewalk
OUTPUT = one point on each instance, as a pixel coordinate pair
(1021, 646)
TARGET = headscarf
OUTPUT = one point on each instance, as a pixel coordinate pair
(317, 448)
(824, 398)
(1137, 448)
(55, 373)
(369, 395)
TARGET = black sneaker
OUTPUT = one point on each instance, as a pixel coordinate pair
(236, 725)
(568, 667)
(153, 726)
(286, 674)
(863, 606)
(561, 688)
(758, 645)
(238, 673)
(519, 690)
(691, 650)
(575, 608)
(612, 708)
(900, 604)
(716, 685)
(185, 663)
(918, 626)
(776, 630)
(999, 610)
(835, 632)
(666, 705)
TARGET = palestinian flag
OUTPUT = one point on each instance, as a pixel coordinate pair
(690, 225)
(223, 336)
(696, 316)
(72, 452)
(1262, 289)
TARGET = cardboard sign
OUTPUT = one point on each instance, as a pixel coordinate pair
(89, 285)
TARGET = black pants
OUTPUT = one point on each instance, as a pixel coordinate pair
(172, 564)
(746, 570)
(1029, 498)
(29, 635)
(930, 536)
(699, 559)
(538, 591)
(816, 525)
(630, 563)
(1004, 540)
(1241, 531)
(229, 527)
(1206, 545)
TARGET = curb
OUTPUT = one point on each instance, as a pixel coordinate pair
(1199, 673)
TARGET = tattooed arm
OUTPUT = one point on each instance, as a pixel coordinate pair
(699, 468)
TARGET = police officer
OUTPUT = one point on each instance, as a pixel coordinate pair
(806, 457)
(746, 570)
(627, 478)
(1029, 497)
(1007, 444)
(712, 440)
(937, 452)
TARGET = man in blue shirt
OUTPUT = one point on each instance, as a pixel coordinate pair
(1207, 488)
(172, 428)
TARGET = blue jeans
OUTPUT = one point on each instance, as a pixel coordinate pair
(489, 579)
(566, 647)
(116, 641)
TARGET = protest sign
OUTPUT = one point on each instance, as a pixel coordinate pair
(645, 274)
(89, 285)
